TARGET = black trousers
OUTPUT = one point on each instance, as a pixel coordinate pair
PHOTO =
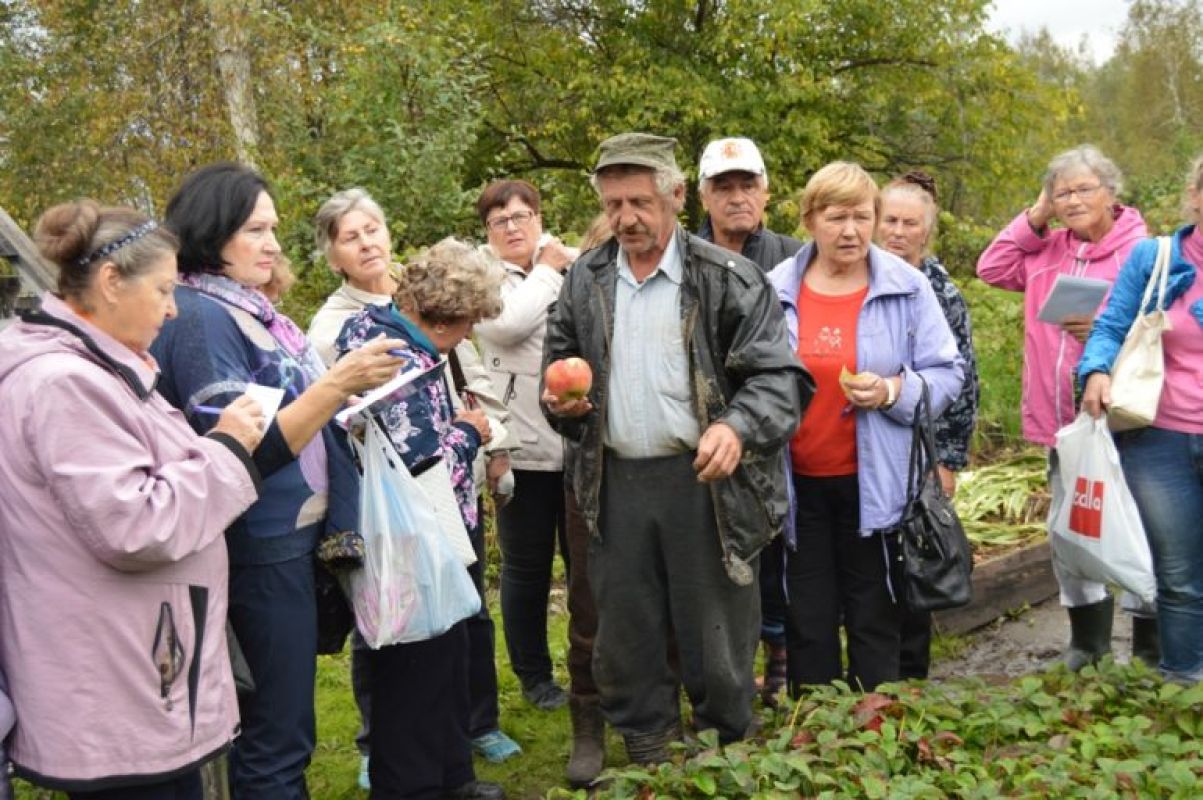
(482, 662)
(419, 744)
(183, 787)
(274, 614)
(657, 572)
(915, 652)
(836, 574)
(528, 529)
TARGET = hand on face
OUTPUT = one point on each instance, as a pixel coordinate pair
(1083, 204)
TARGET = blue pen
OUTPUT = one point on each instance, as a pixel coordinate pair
(214, 410)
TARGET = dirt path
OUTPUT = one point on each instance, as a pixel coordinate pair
(1025, 643)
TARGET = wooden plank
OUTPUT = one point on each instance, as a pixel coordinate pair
(39, 273)
(1001, 585)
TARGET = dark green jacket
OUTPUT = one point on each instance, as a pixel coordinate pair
(743, 373)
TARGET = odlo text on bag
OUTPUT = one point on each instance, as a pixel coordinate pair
(1086, 515)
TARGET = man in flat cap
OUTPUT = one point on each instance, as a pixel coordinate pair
(679, 471)
(734, 187)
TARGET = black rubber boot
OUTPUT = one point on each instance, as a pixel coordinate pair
(1090, 633)
(1146, 640)
(646, 749)
(588, 741)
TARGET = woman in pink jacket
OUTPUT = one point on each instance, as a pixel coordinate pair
(112, 562)
(1080, 190)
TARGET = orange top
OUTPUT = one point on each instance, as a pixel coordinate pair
(825, 443)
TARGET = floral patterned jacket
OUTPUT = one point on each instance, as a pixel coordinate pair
(422, 426)
(954, 428)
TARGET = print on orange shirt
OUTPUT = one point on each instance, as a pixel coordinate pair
(825, 443)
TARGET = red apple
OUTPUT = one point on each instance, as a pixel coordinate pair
(568, 379)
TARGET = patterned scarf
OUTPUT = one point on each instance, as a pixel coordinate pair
(252, 301)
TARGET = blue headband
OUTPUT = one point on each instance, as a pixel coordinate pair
(115, 245)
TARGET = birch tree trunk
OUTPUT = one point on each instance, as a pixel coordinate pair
(229, 26)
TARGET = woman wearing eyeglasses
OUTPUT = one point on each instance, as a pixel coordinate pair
(512, 346)
(1080, 190)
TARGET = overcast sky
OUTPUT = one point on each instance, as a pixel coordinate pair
(1067, 20)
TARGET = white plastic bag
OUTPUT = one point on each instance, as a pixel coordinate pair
(1095, 525)
(412, 585)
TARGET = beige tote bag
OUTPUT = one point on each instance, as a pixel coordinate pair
(1139, 369)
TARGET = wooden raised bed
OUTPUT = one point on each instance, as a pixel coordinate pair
(1008, 582)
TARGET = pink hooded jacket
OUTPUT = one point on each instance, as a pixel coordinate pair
(113, 569)
(1020, 260)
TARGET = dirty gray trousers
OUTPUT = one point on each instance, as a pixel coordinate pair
(657, 572)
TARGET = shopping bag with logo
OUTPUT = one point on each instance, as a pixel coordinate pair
(412, 586)
(1094, 523)
(1139, 369)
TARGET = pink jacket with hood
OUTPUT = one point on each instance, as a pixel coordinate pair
(1021, 260)
(113, 569)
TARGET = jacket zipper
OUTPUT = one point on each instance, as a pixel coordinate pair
(167, 653)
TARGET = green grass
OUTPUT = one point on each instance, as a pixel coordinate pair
(545, 736)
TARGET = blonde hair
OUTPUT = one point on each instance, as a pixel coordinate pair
(840, 183)
(450, 282)
(598, 233)
(1194, 180)
(282, 279)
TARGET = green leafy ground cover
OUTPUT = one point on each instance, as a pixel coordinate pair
(1117, 731)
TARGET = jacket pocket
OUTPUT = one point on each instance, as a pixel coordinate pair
(167, 653)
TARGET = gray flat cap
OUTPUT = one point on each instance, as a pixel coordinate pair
(638, 149)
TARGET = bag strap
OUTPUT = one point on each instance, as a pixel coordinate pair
(457, 372)
(922, 466)
(1159, 277)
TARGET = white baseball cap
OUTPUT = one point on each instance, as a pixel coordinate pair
(730, 155)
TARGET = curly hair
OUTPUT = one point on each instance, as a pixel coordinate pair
(450, 282)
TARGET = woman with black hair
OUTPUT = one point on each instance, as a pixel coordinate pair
(227, 336)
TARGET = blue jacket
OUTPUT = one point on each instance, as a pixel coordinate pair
(208, 354)
(901, 329)
(1112, 325)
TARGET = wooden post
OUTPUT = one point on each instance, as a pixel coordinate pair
(39, 273)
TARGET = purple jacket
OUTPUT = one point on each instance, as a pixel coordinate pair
(901, 329)
(113, 568)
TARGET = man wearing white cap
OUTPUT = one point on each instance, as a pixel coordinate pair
(734, 187)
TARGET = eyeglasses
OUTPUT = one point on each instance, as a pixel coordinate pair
(519, 218)
(1083, 193)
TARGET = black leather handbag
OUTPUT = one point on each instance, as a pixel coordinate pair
(936, 555)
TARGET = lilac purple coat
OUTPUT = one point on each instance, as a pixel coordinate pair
(901, 330)
(113, 569)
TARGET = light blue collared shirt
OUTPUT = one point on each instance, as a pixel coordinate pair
(650, 411)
